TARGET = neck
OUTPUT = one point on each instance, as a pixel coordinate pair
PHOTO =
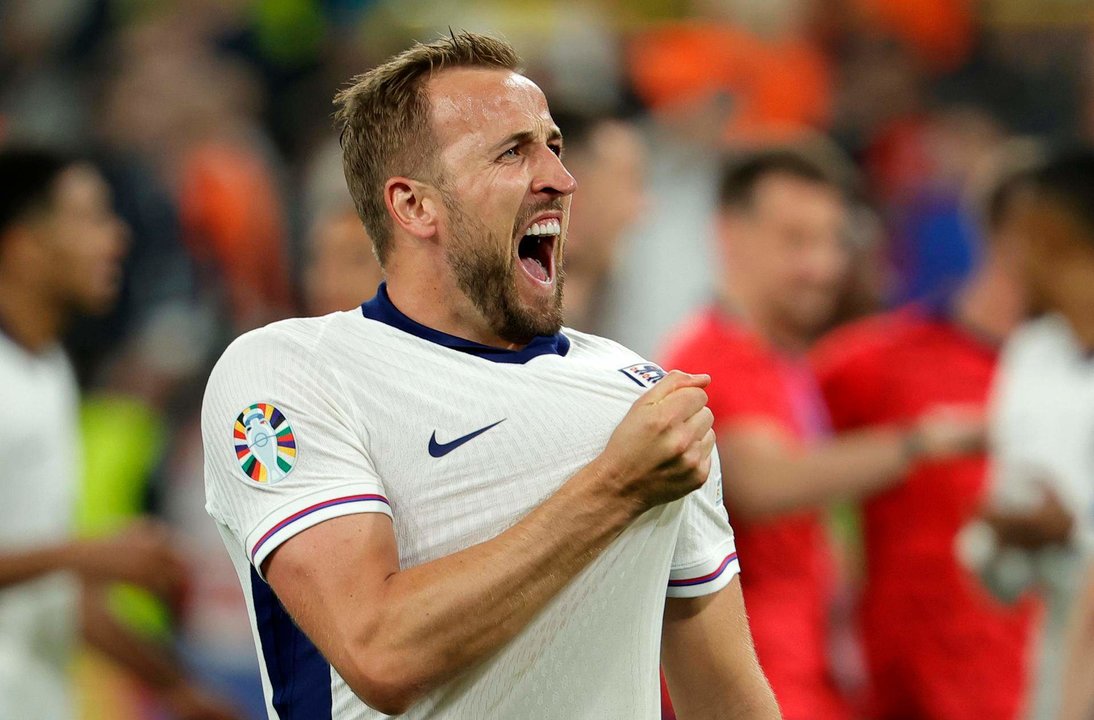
(30, 319)
(740, 304)
(990, 303)
(1078, 316)
(434, 300)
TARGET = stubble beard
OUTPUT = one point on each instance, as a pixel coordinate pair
(485, 271)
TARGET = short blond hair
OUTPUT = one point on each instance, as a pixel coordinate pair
(385, 120)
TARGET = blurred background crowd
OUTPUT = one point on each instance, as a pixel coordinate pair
(211, 121)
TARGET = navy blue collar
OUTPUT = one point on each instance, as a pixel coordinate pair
(381, 309)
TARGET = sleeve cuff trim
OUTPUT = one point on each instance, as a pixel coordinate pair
(709, 577)
(363, 498)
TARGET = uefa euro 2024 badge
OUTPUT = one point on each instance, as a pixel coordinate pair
(264, 442)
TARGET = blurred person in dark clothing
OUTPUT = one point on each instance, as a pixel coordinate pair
(1038, 528)
(937, 645)
(60, 249)
(607, 157)
(782, 227)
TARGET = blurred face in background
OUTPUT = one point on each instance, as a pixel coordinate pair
(342, 270)
(611, 167)
(1055, 252)
(787, 252)
(80, 243)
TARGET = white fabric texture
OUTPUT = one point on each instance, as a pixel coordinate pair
(366, 401)
(1043, 436)
(38, 484)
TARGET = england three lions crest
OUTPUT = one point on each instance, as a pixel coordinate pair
(644, 374)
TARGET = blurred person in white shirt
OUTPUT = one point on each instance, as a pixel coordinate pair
(1038, 528)
(60, 250)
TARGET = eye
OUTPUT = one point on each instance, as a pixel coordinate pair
(510, 153)
(556, 148)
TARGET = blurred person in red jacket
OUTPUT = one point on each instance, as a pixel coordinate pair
(782, 229)
(60, 251)
(937, 645)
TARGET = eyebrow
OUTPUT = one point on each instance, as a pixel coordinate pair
(527, 136)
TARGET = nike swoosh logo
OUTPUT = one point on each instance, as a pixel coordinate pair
(437, 449)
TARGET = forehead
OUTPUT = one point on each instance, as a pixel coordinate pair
(779, 192)
(1044, 221)
(475, 108)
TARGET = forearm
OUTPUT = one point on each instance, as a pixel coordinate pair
(1030, 531)
(149, 662)
(772, 480)
(20, 567)
(429, 622)
(1077, 700)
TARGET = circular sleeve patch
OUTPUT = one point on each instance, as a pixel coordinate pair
(264, 443)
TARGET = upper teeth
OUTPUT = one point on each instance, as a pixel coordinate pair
(545, 227)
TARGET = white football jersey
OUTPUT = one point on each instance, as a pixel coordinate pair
(1043, 434)
(38, 484)
(369, 411)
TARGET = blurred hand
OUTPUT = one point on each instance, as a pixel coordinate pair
(141, 554)
(948, 431)
(189, 702)
(1050, 523)
(661, 450)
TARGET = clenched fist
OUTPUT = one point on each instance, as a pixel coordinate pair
(661, 450)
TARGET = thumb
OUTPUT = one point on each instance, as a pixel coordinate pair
(675, 380)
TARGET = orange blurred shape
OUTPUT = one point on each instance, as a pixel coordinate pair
(231, 218)
(773, 85)
(939, 31)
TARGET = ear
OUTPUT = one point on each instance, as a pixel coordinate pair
(411, 206)
(18, 245)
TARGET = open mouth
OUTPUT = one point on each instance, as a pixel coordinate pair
(536, 250)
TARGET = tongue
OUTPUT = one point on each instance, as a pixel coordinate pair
(534, 268)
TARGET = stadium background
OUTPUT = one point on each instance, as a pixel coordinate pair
(212, 120)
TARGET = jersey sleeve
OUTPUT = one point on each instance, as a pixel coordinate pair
(283, 449)
(705, 558)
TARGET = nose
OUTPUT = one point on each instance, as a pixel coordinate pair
(829, 262)
(552, 178)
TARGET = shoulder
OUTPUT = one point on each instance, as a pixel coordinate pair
(707, 338)
(291, 335)
(869, 340)
(583, 344)
(1045, 330)
(1041, 339)
(283, 353)
(301, 341)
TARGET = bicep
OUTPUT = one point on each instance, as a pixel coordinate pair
(330, 578)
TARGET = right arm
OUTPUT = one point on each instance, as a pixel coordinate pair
(1077, 700)
(393, 634)
(767, 472)
(140, 554)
